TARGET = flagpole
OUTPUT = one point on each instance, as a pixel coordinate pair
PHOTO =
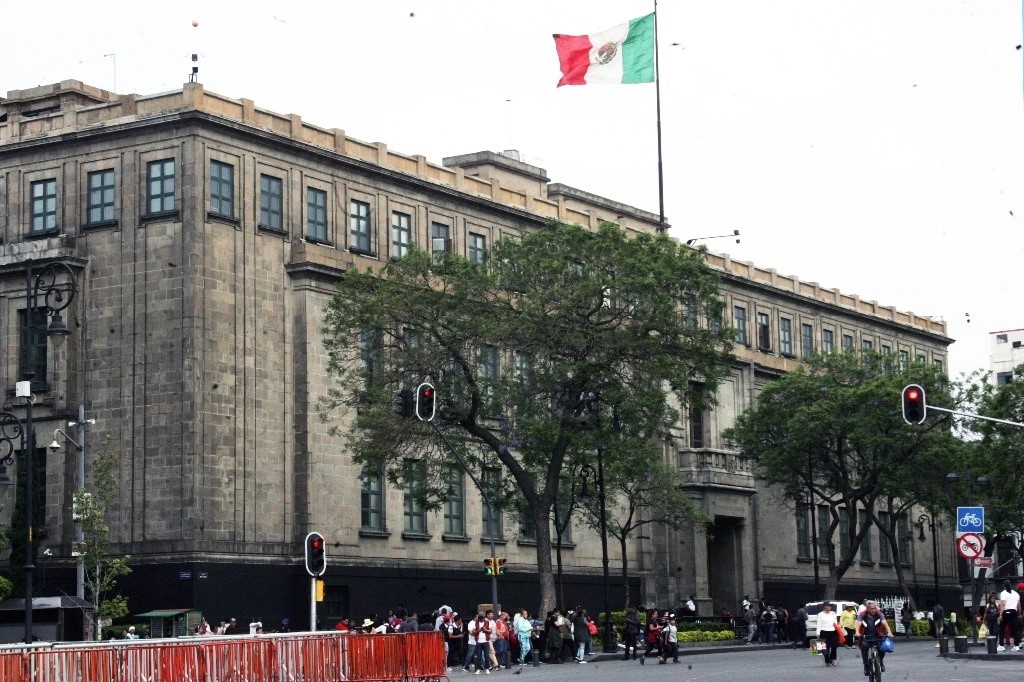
(657, 99)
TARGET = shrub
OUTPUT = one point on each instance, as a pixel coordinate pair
(920, 628)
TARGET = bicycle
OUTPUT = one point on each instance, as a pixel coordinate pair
(875, 666)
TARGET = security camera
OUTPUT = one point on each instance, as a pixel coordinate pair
(47, 552)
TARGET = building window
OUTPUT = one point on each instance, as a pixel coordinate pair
(32, 345)
(739, 316)
(844, 531)
(884, 550)
(806, 340)
(372, 503)
(415, 513)
(527, 528)
(903, 539)
(803, 531)
(160, 190)
(271, 203)
(847, 342)
(690, 315)
(316, 214)
(904, 359)
(824, 546)
(359, 226)
(493, 526)
(886, 349)
(44, 205)
(1003, 378)
(867, 344)
(938, 364)
(487, 373)
(763, 332)
(401, 234)
(222, 189)
(785, 336)
(477, 248)
(100, 207)
(369, 352)
(455, 504)
(440, 240)
(921, 358)
(828, 340)
(563, 517)
(1001, 338)
(865, 543)
(696, 426)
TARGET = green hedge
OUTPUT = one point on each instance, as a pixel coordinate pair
(920, 628)
(705, 636)
(703, 631)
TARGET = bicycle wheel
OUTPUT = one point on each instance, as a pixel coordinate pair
(876, 667)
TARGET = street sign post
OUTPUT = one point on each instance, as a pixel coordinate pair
(970, 520)
(970, 545)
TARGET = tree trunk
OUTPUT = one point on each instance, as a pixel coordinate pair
(546, 578)
(558, 558)
(625, 571)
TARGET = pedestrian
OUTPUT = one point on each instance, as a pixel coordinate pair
(750, 618)
(1009, 605)
(580, 634)
(470, 656)
(848, 620)
(483, 644)
(939, 620)
(827, 631)
(768, 624)
(992, 617)
(653, 636)
(906, 617)
(799, 627)
(671, 641)
(501, 645)
(631, 632)
(524, 633)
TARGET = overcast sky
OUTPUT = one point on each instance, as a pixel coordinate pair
(870, 145)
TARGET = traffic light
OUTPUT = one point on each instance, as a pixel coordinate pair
(316, 554)
(915, 409)
(501, 565)
(489, 566)
(425, 402)
(403, 403)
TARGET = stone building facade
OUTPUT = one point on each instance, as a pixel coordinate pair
(206, 235)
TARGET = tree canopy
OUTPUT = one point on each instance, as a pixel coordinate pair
(833, 430)
(566, 339)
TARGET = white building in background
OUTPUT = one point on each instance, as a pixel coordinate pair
(1007, 353)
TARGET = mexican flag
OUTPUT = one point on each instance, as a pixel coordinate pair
(624, 54)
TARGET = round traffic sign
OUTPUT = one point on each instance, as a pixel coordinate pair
(970, 545)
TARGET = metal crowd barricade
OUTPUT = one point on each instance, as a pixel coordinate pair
(313, 657)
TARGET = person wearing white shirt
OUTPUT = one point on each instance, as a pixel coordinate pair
(827, 622)
(1009, 608)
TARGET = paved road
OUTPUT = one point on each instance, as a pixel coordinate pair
(912, 661)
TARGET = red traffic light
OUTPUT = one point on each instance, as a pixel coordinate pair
(425, 402)
(915, 407)
(316, 554)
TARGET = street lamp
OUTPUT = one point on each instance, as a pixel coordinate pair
(42, 290)
(930, 520)
(969, 482)
(79, 443)
(608, 642)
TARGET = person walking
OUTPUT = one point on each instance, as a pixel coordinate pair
(580, 634)
(992, 617)
(631, 632)
(827, 631)
(848, 619)
(1009, 607)
(938, 620)
(524, 632)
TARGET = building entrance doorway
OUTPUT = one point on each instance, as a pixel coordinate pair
(725, 563)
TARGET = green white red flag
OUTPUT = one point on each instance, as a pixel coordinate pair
(623, 54)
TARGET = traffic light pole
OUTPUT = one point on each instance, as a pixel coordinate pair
(974, 416)
(490, 512)
(312, 604)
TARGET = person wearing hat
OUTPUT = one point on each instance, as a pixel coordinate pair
(827, 622)
(131, 633)
(231, 628)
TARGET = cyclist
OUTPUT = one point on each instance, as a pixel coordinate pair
(871, 626)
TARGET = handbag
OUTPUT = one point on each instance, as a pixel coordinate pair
(840, 634)
(887, 645)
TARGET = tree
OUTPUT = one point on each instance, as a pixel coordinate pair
(530, 353)
(834, 428)
(647, 491)
(101, 569)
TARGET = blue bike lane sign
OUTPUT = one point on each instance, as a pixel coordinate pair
(970, 519)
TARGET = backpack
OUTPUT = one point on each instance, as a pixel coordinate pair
(592, 628)
(652, 635)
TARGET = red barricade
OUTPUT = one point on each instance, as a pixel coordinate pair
(424, 655)
(334, 657)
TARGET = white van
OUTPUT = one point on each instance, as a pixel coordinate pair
(814, 608)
